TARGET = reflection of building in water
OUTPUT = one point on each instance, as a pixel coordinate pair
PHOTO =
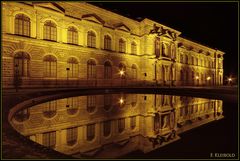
(113, 125)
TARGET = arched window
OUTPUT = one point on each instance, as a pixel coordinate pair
(122, 69)
(91, 103)
(91, 69)
(91, 39)
(22, 25)
(22, 115)
(90, 132)
(73, 67)
(107, 70)
(107, 102)
(107, 42)
(49, 139)
(72, 134)
(72, 35)
(50, 66)
(72, 105)
(157, 47)
(106, 128)
(134, 48)
(121, 125)
(181, 58)
(134, 71)
(50, 31)
(50, 109)
(21, 64)
(133, 122)
(122, 46)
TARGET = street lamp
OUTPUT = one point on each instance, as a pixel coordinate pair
(230, 81)
(197, 78)
(208, 79)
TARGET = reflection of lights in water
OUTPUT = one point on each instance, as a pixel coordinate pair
(121, 101)
(121, 72)
(208, 78)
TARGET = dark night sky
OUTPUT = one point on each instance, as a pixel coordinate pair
(213, 24)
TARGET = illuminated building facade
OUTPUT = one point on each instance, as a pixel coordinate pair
(60, 44)
(113, 125)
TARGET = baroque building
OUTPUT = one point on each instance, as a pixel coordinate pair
(61, 44)
(113, 125)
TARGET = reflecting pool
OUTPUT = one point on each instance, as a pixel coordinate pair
(113, 125)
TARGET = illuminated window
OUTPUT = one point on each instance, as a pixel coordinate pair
(50, 109)
(164, 50)
(107, 102)
(72, 134)
(134, 48)
(134, 71)
(50, 31)
(50, 66)
(91, 39)
(121, 125)
(157, 47)
(106, 128)
(90, 132)
(133, 122)
(91, 103)
(107, 42)
(91, 69)
(21, 64)
(72, 35)
(22, 25)
(49, 139)
(122, 46)
(72, 105)
(72, 64)
(107, 70)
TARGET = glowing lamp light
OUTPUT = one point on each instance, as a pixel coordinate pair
(197, 77)
(229, 79)
(121, 72)
(208, 78)
(121, 101)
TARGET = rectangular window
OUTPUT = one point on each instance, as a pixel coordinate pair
(90, 132)
(121, 125)
(72, 135)
(133, 122)
(106, 128)
(49, 139)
